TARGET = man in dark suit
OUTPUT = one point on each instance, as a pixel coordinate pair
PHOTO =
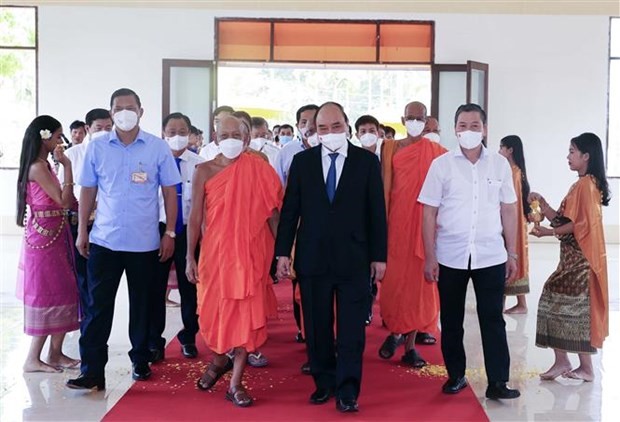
(334, 205)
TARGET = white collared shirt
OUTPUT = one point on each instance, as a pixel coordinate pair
(270, 150)
(76, 155)
(189, 161)
(327, 161)
(468, 197)
(209, 151)
(284, 158)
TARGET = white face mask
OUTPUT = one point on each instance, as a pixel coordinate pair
(177, 142)
(303, 132)
(98, 134)
(414, 127)
(369, 139)
(313, 140)
(231, 148)
(333, 141)
(469, 139)
(258, 143)
(432, 136)
(125, 120)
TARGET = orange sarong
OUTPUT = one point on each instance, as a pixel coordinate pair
(235, 294)
(408, 301)
(521, 284)
(583, 208)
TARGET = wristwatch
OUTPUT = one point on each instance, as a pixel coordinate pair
(171, 233)
(513, 256)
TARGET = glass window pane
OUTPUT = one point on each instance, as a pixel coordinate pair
(18, 105)
(615, 37)
(452, 93)
(613, 136)
(190, 94)
(17, 27)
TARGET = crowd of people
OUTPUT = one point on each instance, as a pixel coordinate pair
(254, 205)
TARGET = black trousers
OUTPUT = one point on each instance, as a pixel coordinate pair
(105, 268)
(81, 268)
(489, 286)
(296, 307)
(187, 291)
(338, 366)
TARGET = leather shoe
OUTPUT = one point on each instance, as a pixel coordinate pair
(189, 350)
(499, 390)
(321, 396)
(84, 382)
(454, 385)
(347, 405)
(141, 371)
(157, 355)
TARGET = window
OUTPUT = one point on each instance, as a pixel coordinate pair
(18, 78)
(613, 123)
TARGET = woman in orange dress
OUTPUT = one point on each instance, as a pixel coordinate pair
(573, 311)
(511, 147)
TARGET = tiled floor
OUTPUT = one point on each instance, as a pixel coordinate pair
(38, 397)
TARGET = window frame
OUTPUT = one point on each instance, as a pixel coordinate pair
(608, 140)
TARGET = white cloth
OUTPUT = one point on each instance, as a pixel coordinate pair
(271, 151)
(76, 155)
(468, 197)
(209, 151)
(189, 161)
(327, 161)
(284, 158)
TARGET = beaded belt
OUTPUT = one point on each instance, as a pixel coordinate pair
(50, 213)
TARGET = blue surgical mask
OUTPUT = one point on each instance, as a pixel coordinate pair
(285, 139)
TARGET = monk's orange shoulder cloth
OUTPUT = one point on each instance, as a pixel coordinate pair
(583, 208)
(237, 245)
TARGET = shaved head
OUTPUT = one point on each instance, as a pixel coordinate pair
(415, 108)
(232, 127)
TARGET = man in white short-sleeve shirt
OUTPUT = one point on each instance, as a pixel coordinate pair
(469, 231)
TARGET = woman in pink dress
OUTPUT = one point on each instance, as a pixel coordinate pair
(47, 281)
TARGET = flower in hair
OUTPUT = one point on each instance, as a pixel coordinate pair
(45, 134)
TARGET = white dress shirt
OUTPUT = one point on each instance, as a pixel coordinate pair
(468, 197)
(209, 151)
(76, 155)
(189, 161)
(270, 150)
(285, 156)
(327, 161)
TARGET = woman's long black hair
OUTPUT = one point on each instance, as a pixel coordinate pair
(31, 146)
(591, 144)
(514, 142)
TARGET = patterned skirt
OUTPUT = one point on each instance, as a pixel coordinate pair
(518, 287)
(563, 320)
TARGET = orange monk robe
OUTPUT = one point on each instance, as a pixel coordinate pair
(521, 285)
(583, 208)
(408, 302)
(235, 294)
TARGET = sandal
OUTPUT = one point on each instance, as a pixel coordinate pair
(388, 348)
(412, 358)
(213, 374)
(257, 360)
(239, 396)
(425, 338)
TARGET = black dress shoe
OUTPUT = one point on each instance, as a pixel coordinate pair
(84, 382)
(189, 350)
(157, 355)
(305, 368)
(347, 405)
(321, 396)
(141, 371)
(498, 390)
(299, 338)
(454, 385)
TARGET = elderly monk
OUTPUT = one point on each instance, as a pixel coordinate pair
(408, 302)
(235, 198)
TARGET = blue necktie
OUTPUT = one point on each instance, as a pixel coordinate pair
(330, 183)
(178, 228)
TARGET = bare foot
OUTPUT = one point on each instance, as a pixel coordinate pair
(63, 362)
(38, 366)
(555, 371)
(516, 310)
(579, 374)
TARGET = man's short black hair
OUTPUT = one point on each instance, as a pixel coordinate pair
(364, 120)
(194, 130)
(223, 109)
(258, 122)
(97, 114)
(123, 92)
(465, 108)
(176, 116)
(305, 108)
(389, 129)
(77, 124)
(287, 126)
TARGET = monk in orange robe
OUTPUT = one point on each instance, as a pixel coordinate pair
(408, 302)
(235, 200)
(573, 310)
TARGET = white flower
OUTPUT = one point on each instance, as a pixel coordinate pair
(45, 134)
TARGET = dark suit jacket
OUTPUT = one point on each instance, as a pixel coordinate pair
(341, 238)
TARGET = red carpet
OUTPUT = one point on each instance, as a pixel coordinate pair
(389, 390)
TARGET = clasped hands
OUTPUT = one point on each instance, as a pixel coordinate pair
(283, 269)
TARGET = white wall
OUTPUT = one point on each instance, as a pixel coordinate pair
(548, 74)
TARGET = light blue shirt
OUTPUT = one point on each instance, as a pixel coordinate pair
(127, 217)
(285, 158)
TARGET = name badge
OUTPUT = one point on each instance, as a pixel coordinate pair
(139, 177)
